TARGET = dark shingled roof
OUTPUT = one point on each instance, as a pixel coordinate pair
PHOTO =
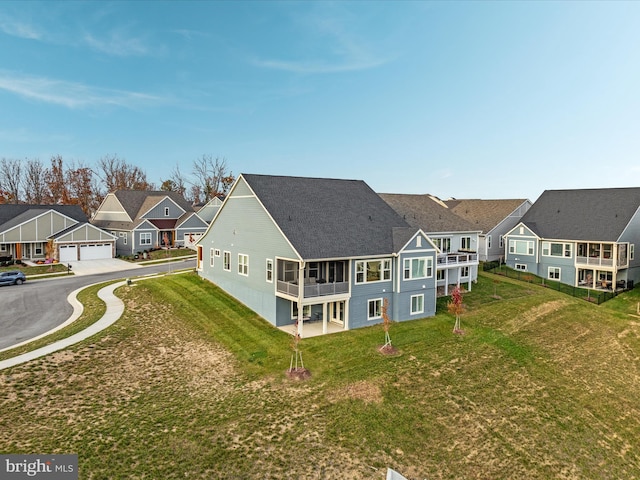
(12, 215)
(138, 202)
(590, 214)
(133, 200)
(421, 211)
(484, 214)
(328, 218)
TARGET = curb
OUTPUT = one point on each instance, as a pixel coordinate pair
(114, 310)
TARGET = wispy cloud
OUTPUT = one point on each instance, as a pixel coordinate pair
(118, 44)
(15, 28)
(72, 95)
(343, 51)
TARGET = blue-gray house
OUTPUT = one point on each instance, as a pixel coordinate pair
(585, 238)
(320, 250)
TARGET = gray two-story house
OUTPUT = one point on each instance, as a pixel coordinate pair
(494, 218)
(457, 239)
(143, 220)
(585, 238)
(318, 250)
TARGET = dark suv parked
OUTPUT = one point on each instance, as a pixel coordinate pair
(12, 278)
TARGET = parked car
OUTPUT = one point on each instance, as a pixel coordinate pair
(12, 278)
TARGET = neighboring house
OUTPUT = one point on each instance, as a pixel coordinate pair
(493, 218)
(54, 232)
(456, 238)
(583, 238)
(318, 249)
(144, 220)
(209, 209)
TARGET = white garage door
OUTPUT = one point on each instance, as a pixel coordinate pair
(95, 252)
(68, 253)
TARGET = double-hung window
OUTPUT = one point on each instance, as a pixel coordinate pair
(269, 270)
(226, 261)
(375, 309)
(417, 304)
(243, 264)
(554, 273)
(211, 257)
(145, 238)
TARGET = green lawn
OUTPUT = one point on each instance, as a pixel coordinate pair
(190, 384)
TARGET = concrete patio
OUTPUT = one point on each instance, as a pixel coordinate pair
(313, 329)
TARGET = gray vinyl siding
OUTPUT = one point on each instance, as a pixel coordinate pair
(568, 273)
(631, 234)
(531, 261)
(495, 252)
(243, 227)
(419, 286)
(157, 212)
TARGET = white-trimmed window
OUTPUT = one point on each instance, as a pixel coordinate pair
(631, 249)
(554, 273)
(554, 249)
(443, 244)
(501, 242)
(417, 304)
(521, 247)
(211, 257)
(243, 264)
(269, 270)
(440, 274)
(368, 271)
(418, 268)
(166, 211)
(488, 241)
(374, 309)
(145, 238)
(521, 266)
(464, 272)
(123, 236)
(465, 243)
(226, 261)
(3, 247)
(216, 252)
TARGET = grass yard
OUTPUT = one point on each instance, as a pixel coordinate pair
(189, 384)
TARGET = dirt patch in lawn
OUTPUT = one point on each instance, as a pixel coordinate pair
(364, 390)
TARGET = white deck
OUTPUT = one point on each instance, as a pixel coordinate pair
(313, 329)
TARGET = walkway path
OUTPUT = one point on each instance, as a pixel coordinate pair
(114, 311)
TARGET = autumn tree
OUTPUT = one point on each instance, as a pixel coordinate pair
(56, 181)
(456, 307)
(83, 188)
(34, 182)
(11, 179)
(175, 183)
(117, 174)
(212, 175)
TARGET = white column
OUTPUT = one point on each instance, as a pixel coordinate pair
(325, 326)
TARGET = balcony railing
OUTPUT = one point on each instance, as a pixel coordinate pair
(596, 261)
(314, 289)
(457, 258)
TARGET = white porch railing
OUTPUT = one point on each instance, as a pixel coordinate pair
(457, 258)
(314, 290)
(597, 261)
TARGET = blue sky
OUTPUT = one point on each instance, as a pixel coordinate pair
(456, 99)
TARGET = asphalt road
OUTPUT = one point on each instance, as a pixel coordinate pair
(35, 307)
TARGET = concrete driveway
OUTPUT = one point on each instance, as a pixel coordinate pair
(107, 265)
